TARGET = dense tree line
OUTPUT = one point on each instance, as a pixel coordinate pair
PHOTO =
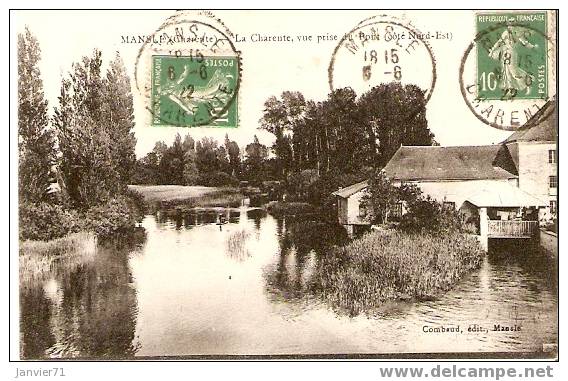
(318, 146)
(87, 148)
(321, 146)
(344, 133)
(203, 162)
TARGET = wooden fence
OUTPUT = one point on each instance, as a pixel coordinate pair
(512, 229)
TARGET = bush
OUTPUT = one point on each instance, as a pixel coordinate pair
(393, 265)
(427, 215)
(217, 179)
(115, 216)
(298, 183)
(136, 203)
(257, 200)
(44, 222)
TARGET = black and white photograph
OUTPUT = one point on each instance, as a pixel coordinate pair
(283, 185)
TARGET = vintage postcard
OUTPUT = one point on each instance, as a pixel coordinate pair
(302, 184)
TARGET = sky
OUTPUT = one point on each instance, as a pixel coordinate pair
(269, 68)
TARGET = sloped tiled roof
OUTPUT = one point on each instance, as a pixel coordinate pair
(502, 194)
(447, 163)
(351, 189)
(544, 131)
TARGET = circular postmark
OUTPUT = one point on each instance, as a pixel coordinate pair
(188, 72)
(506, 74)
(383, 49)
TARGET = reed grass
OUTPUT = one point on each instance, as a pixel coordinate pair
(382, 266)
(37, 258)
(222, 198)
(236, 245)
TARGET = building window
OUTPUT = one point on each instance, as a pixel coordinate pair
(552, 156)
(553, 182)
(449, 205)
(553, 206)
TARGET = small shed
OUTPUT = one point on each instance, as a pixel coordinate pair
(350, 212)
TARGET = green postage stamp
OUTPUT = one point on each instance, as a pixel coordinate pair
(194, 91)
(512, 55)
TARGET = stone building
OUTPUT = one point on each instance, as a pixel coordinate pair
(514, 182)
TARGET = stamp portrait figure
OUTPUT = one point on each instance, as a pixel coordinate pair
(505, 50)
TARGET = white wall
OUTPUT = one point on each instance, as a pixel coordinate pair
(353, 202)
(454, 191)
(451, 191)
(535, 170)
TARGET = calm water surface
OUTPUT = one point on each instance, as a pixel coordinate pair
(196, 288)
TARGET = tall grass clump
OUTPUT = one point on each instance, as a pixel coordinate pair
(37, 258)
(236, 245)
(223, 198)
(394, 266)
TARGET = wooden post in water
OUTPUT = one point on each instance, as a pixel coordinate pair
(484, 228)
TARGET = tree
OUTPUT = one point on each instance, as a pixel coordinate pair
(172, 163)
(428, 215)
(88, 167)
(256, 155)
(95, 122)
(223, 160)
(206, 155)
(119, 111)
(341, 134)
(36, 152)
(299, 183)
(379, 198)
(394, 115)
(190, 172)
(234, 154)
(148, 167)
(281, 117)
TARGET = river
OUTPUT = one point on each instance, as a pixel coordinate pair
(194, 287)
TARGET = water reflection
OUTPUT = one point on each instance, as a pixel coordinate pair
(178, 218)
(290, 276)
(84, 310)
(240, 282)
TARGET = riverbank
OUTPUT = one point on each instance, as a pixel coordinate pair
(548, 242)
(120, 301)
(384, 266)
(36, 258)
(281, 208)
(187, 197)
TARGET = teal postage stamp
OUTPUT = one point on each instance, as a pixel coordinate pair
(189, 91)
(512, 55)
